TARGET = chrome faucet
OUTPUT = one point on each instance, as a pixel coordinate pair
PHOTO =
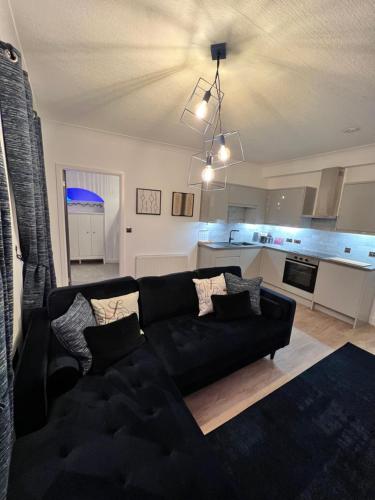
(230, 235)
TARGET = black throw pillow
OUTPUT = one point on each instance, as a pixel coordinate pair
(109, 343)
(233, 306)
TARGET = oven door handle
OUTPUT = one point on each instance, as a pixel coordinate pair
(312, 266)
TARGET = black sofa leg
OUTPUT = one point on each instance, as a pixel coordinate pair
(272, 354)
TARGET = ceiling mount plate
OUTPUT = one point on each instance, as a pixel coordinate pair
(219, 51)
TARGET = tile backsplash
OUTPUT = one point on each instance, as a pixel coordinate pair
(329, 242)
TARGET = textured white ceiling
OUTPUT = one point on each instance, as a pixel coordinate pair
(298, 71)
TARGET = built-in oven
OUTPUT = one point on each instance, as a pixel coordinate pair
(300, 271)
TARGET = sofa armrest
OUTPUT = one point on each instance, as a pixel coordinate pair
(30, 399)
(277, 306)
(63, 369)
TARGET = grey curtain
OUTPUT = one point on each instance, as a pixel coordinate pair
(6, 331)
(25, 162)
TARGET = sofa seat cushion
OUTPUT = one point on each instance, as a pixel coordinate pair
(126, 434)
(192, 347)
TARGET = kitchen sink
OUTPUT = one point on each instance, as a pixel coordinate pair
(241, 244)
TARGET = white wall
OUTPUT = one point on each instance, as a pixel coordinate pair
(108, 188)
(145, 165)
(8, 34)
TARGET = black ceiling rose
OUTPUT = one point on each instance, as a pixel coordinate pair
(218, 51)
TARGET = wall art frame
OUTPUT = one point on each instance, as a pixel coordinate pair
(148, 201)
(182, 204)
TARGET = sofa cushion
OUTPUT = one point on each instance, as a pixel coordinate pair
(60, 299)
(236, 285)
(124, 434)
(109, 343)
(230, 307)
(194, 349)
(207, 287)
(115, 308)
(167, 296)
(69, 328)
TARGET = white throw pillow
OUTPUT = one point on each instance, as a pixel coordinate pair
(206, 288)
(109, 310)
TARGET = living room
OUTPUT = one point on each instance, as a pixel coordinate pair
(205, 328)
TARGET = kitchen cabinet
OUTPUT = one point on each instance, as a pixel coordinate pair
(214, 206)
(249, 204)
(272, 266)
(247, 258)
(252, 199)
(285, 207)
(347, 290)
(208, 257)
(86, 236)
(357, 208)
(250, 262)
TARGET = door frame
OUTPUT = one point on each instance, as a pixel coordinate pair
(60, 168)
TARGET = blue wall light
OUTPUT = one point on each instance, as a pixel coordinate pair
(79, 194)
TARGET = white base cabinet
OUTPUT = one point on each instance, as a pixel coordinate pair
(86, 236)
(247, 259)
(341, 291)
(272, 266)
(346, 290)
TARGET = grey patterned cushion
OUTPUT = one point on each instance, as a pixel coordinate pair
(69, 328)
(236, 285)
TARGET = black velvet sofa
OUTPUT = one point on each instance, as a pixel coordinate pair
(127, 434)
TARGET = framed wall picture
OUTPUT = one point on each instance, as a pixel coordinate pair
(148, 201)
(183, 204)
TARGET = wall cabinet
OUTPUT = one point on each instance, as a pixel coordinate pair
(86, 236)
(252, 201)
(285, 207)
(346, 290)
(272, 266)
(214, 206)
(357, 208)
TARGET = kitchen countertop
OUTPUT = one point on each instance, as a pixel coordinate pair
(309, 253)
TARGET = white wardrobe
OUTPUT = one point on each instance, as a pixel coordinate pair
(86, 236)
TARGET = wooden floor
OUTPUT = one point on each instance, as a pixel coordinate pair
(314, 336)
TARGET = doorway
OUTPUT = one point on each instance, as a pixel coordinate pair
(92, 202)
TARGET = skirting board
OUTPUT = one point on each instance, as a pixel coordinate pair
(157, 265)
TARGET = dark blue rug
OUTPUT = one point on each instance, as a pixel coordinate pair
(314, 438)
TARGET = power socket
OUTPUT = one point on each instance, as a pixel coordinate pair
(347, 250)
(371, 254)
(298, 242)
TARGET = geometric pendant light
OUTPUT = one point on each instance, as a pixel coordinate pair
(208, 168)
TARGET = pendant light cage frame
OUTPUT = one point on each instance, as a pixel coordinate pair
(189, 117)
(197, 164)
(230, 140)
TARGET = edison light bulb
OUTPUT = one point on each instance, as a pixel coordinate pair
(224, 153)
(207, 174)
(201, 110)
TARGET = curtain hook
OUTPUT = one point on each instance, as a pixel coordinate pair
(12, 56)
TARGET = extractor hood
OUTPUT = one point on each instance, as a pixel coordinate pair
(329, 194)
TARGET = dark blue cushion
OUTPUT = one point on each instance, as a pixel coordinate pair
(197, 350)
(167, 296)
(126, 434)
